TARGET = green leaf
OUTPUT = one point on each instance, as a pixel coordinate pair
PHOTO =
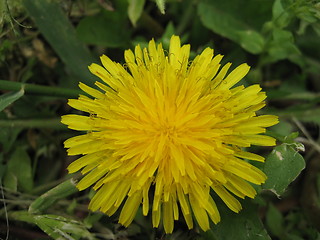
(252, 41)
(59, 32)
(242, 26)
(245, 225)
(135, 9)
(106, 28)
(274, 221)
(161, 5)
(283, 128)
(7, 98)
(308, 11)
(19, 167)
(59, 227)
(49, 198)
(282, 45)
(8, 137)
(56, 227)
(280, 16)
(282, 166)
(10, 181)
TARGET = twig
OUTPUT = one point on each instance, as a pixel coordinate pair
(13, 19)
(5, 212)
(302, 128)
(309, 139)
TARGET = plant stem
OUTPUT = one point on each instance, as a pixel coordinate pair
(39, 90)
(53, 123)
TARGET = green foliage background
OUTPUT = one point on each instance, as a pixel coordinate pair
(45, 48)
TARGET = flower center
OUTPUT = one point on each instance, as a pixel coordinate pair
(168, 130)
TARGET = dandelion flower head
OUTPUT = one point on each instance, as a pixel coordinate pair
(166, 132)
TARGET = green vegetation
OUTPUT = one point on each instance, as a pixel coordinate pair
(45, 49)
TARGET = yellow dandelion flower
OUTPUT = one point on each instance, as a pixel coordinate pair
(166, 133)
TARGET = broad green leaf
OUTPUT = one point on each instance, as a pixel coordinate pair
(7, 98)
(282, 166)
(281, 18)
(106, 28)
(161, 5)
(59, 32)
(274, 221)
(245, 225)
(237, 21)
(49, 198)
(19, 166)
(135, 10)
(56, 227)
(10, 181)
(282, 45)
(8, 137)
(59, 227)
(283, 128)
(252, 41)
